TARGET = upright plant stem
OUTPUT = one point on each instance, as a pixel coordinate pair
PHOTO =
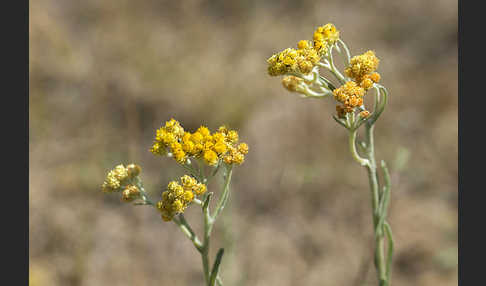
(379, 203)
(380, 262)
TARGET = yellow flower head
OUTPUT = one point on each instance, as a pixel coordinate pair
(202, 144)
(324, 37)
(243, 148)
(292, 83)
(168, 136)
(348, 90)
(283, 62)
(133, 170)
(210, 157)
(303, 44)
(116, 178)
(177, 197)
(361, 65)
(130, 193)
(350, 95)
(293, 61)
(364, 113)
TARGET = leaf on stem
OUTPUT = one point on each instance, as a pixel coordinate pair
(217, 262)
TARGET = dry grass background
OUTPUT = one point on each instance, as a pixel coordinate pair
(105, 74)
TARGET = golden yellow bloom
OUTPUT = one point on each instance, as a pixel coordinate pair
(233, 136)
(324, 37)
(362, 65)
(133, 170)
(364, 113)
(366, 83)
(210, 157)
(349, 89)
(235, 156)
(167, 136)
(197, 137)
(238, 158)
(177, 197)
(204, 131)
(188, 196)
(291, 83)
(291, 60)
(303, 44)
(199, 189)
(375, 77)
(130, 193)
(158, 149)
(220, 147)
(173, 126)
(202, 144)
(243, 148)
(350, 95)
(115, 179)
(180, 156)
(223, 129)
(188, 182)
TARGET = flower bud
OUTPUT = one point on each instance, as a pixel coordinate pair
(133, 170)
(130, 193)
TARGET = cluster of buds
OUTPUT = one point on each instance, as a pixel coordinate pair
(121, 179)
(178, 196)
(223, 144)
(358, 77)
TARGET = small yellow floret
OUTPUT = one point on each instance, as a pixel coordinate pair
(292, 83)
(130, 193)
(243, 148)
(177, 197)
(361, 65)
(210, 157)
(324, 37)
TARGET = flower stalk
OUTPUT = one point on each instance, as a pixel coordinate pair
(220, 150)
(353, 84)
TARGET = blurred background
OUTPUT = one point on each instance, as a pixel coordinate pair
(105, 74)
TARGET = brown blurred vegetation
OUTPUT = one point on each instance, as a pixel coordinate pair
(105, 74)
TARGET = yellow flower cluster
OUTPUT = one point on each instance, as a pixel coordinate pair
(307, 54)
(119, 176)
(130, 193)
(290, 60)
(361, 69)
(178, 196)
(211, 147)
(324, 37)
(350, 95)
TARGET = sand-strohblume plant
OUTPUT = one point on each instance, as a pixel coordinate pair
(203, 155)
(300, 70)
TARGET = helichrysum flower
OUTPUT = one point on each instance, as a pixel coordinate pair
(324, 37)
(293, 83)
(177, 197)
(119, 176)
(114, 179)
(350, 95)
(210, 147)
(130, 193)
(291, 60)
(362, 65)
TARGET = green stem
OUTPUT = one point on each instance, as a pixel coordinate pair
(354, 152)
(187, 230)
(380, 262)
(225, 195)
(208, 224)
